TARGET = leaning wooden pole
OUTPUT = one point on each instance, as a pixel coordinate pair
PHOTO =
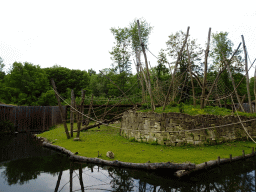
(192, 83)
(247, 76)
(146, 63)
(60, 107)
(205, 70)
(80, 115)
(232, 79)
(175, 69)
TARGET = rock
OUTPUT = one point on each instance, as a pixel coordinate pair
(110, 155)
(76, 139)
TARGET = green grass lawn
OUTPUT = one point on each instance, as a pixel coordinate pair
(107, 138)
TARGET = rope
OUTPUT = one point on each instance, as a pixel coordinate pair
(241, 121)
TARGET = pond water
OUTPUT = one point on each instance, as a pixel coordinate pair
(26, 166)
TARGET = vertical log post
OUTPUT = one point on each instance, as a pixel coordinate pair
(72, 112)
(247, 75)
(146, 63)
(81, 178)
(205, 70)
(61, 111)
(71, 177)
(174, 72)
(80, 115)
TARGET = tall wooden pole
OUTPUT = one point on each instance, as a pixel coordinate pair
(205, 70)
(175, 68)
(146, 63)
(72, 112)
(232, 79)
(254, 90)
(190, 73)
(80, 115)
(60, 107)
(247, 75)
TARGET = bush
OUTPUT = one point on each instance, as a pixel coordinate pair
(7, 126)
(132, 139)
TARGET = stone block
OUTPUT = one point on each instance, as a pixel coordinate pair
(197, 142)
(190, 142)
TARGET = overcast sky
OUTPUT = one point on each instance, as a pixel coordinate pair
(76, 34)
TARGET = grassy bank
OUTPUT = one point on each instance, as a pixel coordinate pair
(108, 139)
(191, 110)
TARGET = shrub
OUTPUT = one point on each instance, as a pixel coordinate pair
(7, 126)
(173, 104)
(132, 139)
(154, 142)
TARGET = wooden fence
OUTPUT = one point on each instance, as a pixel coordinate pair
(31, 118)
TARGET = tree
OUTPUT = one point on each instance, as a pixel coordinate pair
(91, 72)
(221, 51)
(66, 78)
(174, 45)
(30, 80)
(161, 69)
(2, 65)
(145, 30)
(121, 55)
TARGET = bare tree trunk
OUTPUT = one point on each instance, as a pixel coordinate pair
(146, 63)
(247, 76)
(190, 73)
(60, 107)
(205, 70)
(174, 72)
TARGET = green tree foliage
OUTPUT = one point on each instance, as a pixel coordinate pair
(25, 84)
(48, 99)
(161, 69)
(2, 73)
(174, 45)
(222, 46)
(145, 30)
(66, 78)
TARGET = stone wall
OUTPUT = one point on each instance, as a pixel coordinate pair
(166, 128)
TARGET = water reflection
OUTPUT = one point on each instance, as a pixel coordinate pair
(54, 172)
